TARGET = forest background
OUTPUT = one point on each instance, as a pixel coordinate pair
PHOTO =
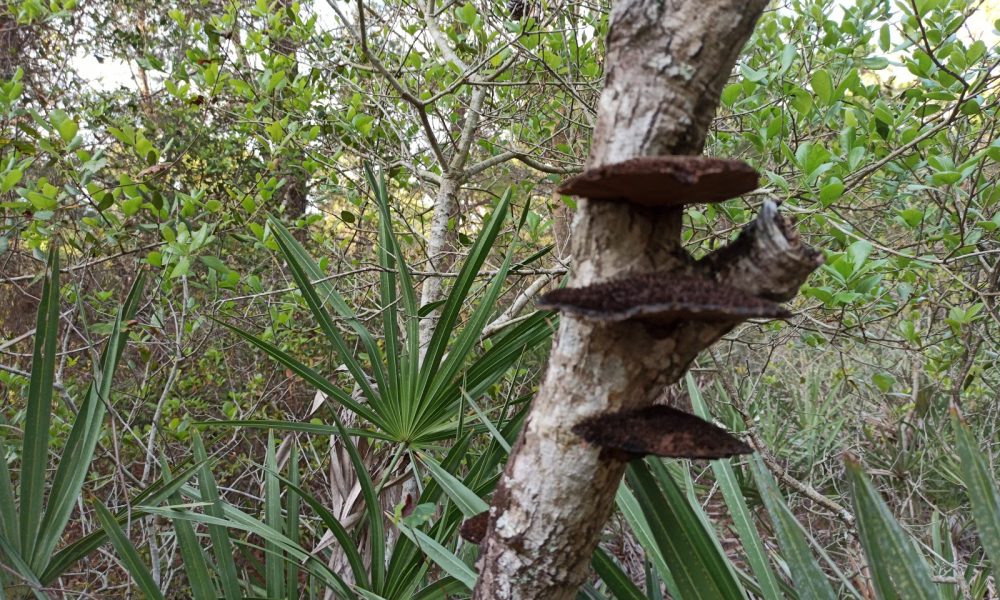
(207, 149)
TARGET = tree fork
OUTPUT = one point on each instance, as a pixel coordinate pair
(666, 66)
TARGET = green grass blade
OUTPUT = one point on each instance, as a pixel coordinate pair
(274, 560)
(328, 294)
(810, 581)
(698, 568)
(343, 537)
(466, 341)
(982, 491)
(302, 267)
(372, 511)
(367, 595)
(441, 556)
(465, 499)
(446, 587)
(632, 512)
(612, 575)
(127, 553)
(159, 491)
(195, 565)
(887, 545)
(74, 464)
(742, 519)
(21, 569)
(309, 375)
(292, 520)
(456, 298)
(236, 519)
(485, 420)
(35, 454)
(485, 370)
(313, 428)
(222, 548)
(9, 524)
(400, 366)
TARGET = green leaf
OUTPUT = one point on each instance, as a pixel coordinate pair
(614, 578)
(274, 570)
(440, 555)
(292, 520)
(67, 129)
(698, 567)
(884, 38)
(801, 101)
(809, 579)
(742, 518)
(730, 93)
(883, 381)
(875, 63)
(753, 75)
(42, 201)
(35, 453)
(21, 568)
(195, 566)
(899, 571)
(831, 192)
(466, 13)
(858, 253)
(318, 297)
(182, 268)
(982, 491)
(10, 179)
(788, 54)
(630, 509)
(221, 545)
(214, 263)
(822, 85)
(88, 424)
(127, 552)
(465, 499)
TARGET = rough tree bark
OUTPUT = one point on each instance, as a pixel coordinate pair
(667, 63)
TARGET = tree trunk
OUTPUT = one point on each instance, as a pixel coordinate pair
(667, 63)
(446, 205)
(295, 192)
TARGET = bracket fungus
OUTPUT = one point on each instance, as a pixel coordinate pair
(473, 529)
(661, 431)
(665, 181)
(661, 298)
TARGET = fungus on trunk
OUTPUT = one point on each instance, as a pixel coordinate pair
(665, 181)
(473, 529)
(661, 431)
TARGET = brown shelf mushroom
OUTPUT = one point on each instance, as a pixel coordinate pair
(661, 298)
(661, 431)
(473, 529)
(665, 181)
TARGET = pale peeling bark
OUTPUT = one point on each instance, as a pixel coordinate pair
(445, 205)
(667, 63)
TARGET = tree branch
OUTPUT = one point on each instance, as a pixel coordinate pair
(409, 98)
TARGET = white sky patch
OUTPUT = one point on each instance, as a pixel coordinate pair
(106, 75)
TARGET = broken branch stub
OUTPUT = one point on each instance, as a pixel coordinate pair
(661, 431)
(665, 181)
(661, 298)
